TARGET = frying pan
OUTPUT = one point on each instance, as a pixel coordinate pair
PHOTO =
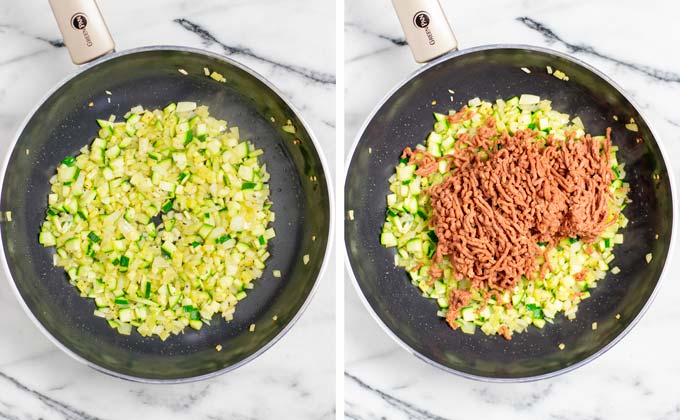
(404, 118)
(64, 121)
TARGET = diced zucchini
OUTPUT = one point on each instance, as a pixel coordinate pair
(468, 314)
(67, 173)
(388, 239)
(168, 248)
(434, 138)
(405, 172)
(214, 202)
(411, 205)
(205, 230)
(47, 239)
(72, 245)
(185, 106)
(414, 246)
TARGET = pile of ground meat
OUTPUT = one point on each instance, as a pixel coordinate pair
(507, 193)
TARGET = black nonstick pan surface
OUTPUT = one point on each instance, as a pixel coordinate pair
(64, 122)
(404, 118)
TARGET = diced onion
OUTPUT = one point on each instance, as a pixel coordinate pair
(632, 127)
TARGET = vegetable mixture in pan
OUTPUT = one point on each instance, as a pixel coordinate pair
(162, 220)
(508, 215)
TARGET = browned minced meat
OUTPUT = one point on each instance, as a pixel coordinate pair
(581, 274)
(425, 162)
(505, 332)
(490, 213)
(435, 272)
(460, 116)
(427, 165)
(545, 267)
(458, 299)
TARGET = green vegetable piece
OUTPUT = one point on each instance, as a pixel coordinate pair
(536, 312)
(69, 161)
(147, 291)
(248, 186)
(431, 249)
(124, 261)
(188, 137)
(93, 237)
(167, 206)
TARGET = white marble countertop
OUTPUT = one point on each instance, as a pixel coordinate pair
(295, 378)
(637, 379)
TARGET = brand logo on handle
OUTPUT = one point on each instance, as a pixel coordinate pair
(422, 20)
(79, 21)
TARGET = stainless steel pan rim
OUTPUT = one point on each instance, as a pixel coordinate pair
(324, 264)
(673, 235)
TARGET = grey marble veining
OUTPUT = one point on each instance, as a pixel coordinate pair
(632, 43)
(295, 378)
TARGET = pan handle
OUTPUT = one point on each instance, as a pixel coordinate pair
(83, 28)
(426, 28)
